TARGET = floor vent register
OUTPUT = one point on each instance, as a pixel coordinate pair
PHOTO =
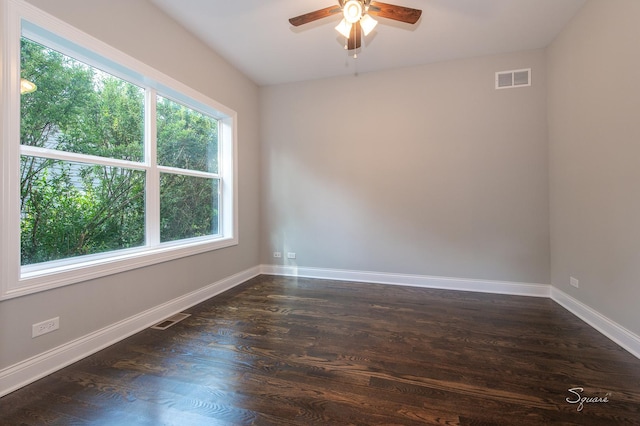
(166, 323)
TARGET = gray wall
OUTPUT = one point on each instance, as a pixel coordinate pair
(89, 306)
(424, 170)
(594, 139)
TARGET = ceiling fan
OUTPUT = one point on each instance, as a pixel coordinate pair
(357, 18)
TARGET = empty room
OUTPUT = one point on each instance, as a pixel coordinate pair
(329, 212)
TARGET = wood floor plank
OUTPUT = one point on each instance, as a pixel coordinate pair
(293, 351)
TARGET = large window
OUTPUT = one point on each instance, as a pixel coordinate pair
(107, 164)
(94, 203)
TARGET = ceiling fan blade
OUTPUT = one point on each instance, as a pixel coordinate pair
(355, 37)
(314, 16)
(397, 13)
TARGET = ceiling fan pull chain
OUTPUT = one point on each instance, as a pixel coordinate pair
(355, 64)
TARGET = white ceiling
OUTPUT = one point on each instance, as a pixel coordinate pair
(256, 37)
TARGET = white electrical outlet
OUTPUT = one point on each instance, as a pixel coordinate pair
(291, 255)
(277, 254)
(45, 327)
(574, 282)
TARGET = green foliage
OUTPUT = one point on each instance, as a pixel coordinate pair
(186, 138)
(72, 209)
(112, 125)
(188, 207)
(65, 90)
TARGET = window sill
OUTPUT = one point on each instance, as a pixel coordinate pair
(62, 274)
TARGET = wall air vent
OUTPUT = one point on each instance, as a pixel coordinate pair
(164, 324)
(513, 78)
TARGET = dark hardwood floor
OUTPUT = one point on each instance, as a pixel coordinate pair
(287, 351)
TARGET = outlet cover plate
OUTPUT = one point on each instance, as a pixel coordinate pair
(45, 327)
(574, 282)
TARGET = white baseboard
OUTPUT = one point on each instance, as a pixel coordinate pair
(614, 331)
(609, 328)
(425, 281)
(32, 369)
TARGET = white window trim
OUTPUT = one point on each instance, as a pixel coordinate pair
(17, 281)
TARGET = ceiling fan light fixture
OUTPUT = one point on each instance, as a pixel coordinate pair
(27, 86)
(344, 28)
(352, 11)
(368, 24)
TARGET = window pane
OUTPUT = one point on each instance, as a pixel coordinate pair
(72, 209)
(187, 139)
(78, 108)
(188, 207)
